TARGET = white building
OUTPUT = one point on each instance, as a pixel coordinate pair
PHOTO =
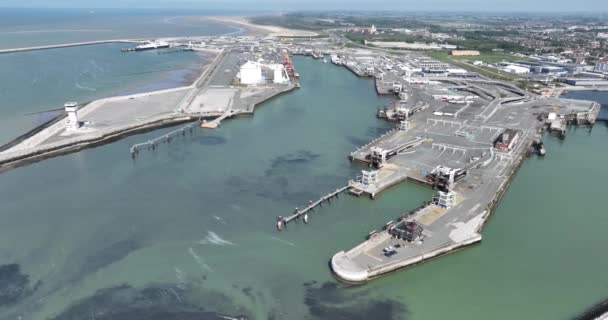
(516, 69)
(70, 109)
(279, 73)
(456, 71)
(251, 73)
(446, 199)
(369, 178)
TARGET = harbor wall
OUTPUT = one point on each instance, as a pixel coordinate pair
(32, 132)
(502, 190)
(13, 159)
(376, 272)
(67, 45)
(10, 160)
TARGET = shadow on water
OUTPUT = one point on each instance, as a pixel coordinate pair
(274, 184)
(108, 255)
(157, 302)
(330, 301)
(291, 161)
(14, 285)
(209, 140)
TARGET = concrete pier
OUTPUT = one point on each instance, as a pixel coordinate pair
(216, 122)
(467, 138)
(215, 94)
(283, 221)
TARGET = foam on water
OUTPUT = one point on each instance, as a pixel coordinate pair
(282, 241)
(219, 219)
(199, 260)
(213, 238)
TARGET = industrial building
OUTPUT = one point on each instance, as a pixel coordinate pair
(407, 230)
(279, 73)
(512, 68)
(585, 82)
(252, 73)
(601, 67)
(507, 140)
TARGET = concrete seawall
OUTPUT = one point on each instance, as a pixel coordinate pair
(21, 154)
(31, 133)
(66, 45)
(17, 158)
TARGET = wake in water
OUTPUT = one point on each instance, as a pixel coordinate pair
(283, 241)
(213, 238)
(236, 207)
(181, 278)
(97, 66)
(81, 87)
(199, 260)
(219, 219)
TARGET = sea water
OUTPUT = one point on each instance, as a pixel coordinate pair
(37, 27)
(191, 224)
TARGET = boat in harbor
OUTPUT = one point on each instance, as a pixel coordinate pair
(152, 45)
(335, 59)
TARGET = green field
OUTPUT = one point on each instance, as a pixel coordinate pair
(464, 62)
(487, 57)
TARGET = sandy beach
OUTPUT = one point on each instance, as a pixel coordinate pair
(256, 28)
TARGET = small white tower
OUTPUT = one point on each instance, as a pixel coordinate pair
(404, 125)
(368, 177)
(446, 199)
(70, 109)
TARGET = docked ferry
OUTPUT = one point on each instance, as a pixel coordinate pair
(152, 45)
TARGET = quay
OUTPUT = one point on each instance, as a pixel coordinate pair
(465, 137)
(469, 156)
(219, 93)
(216, 122)
(283, 221)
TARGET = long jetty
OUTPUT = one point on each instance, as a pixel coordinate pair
(283, 221)
(66, 45)
(153, 144)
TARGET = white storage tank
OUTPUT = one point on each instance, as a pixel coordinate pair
(251, 73)
(279, 73)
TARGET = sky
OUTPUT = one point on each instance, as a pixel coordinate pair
(319, 5)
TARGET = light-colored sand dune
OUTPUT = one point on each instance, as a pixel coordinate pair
(270, 30)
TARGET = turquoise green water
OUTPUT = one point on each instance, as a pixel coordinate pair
(192, 224)
(43, 80)
(35, 27)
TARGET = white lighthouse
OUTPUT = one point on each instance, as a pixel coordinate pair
(70, 109)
